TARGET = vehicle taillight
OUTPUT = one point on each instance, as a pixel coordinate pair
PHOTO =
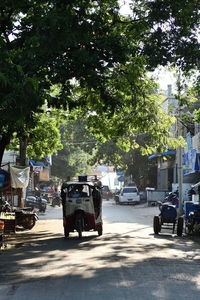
(106, 193)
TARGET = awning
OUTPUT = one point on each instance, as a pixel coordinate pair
(47, 159)
(196, 185)
(169, 152)
(33, 163)
(39, 164)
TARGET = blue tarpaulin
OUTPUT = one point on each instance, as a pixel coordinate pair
(190, 162)
(4, 177)
(169, 152)
(33, 163)
(39, 163)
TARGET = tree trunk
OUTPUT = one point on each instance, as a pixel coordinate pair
(23, 146)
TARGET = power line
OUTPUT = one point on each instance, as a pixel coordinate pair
(79, 143)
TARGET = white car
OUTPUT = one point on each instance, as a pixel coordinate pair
(129, 195)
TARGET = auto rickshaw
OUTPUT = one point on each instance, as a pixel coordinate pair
(82, 206)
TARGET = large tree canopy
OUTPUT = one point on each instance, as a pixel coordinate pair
(170, 32)
(94, 56)
(52, 42)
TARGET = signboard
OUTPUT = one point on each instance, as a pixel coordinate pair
(190, 162)
(44, 175)
(37, 168)
(196, 142)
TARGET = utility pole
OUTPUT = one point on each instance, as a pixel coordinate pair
(180, 152)
(180, 171)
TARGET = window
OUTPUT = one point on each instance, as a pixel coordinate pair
(130, 190)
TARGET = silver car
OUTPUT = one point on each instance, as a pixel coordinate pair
(129, 195)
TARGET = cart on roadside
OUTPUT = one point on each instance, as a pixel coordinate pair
(168, 219)
(192, 211)
(192, 217)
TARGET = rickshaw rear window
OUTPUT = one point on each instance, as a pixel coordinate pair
(130, 190)
(78, 190)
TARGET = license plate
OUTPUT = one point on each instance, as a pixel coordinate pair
(130, 199)
(78, 201)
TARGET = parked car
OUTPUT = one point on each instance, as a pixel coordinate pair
(129, 195)
(106, 193)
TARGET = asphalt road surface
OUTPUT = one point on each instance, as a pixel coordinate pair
(127, 262)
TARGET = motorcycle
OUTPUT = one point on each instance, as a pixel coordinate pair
(36, 202)
(172, 198)
(56, 201)
(5, 206)
(82, 207)
(25, 218)
(190, 193)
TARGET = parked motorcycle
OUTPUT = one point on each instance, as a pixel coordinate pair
(36, 202)
(56, 201)
(5, 206)
(26, 219)
(172, 198)
(190, 193)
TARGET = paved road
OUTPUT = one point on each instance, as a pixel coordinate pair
(126, 262)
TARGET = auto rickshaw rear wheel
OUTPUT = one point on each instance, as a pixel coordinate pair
(79, 224)
(156, 224)
(180, 226)
(66, 232)
(100, 231)
(79, 234)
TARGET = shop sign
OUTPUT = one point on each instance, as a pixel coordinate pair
(37, 168)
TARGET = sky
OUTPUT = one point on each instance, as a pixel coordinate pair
(165, 78)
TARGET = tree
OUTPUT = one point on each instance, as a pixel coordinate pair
(138, 109)
(47, 43)
(73, 159)
(132, 162)
(170, 32)
(44, 139)
(51, 42)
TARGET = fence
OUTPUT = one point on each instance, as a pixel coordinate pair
(154, 196)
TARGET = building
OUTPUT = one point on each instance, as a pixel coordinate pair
(167, 162)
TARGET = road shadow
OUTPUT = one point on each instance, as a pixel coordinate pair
(114, 274)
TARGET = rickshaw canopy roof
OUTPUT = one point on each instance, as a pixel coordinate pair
(79, 183)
